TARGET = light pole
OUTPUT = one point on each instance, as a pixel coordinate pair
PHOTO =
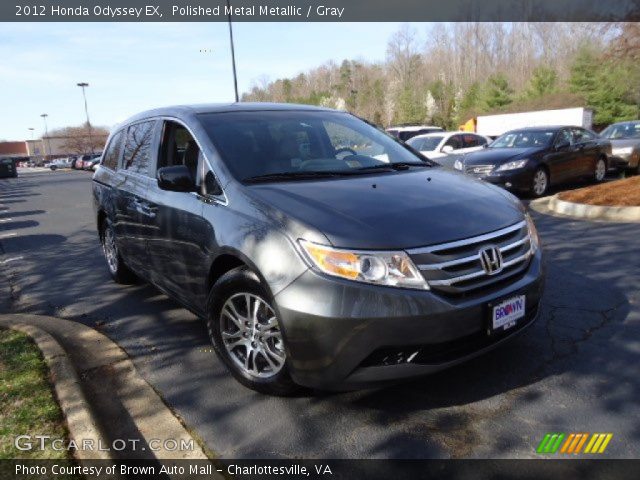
(31, 129)
(233, 52)
(86, 111)
(46, 134)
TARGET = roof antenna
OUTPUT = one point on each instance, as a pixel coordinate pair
(233, 53)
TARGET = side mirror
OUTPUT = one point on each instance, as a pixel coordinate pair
(563, 145)
(486, 145)
(175, 179)
(211, 185)
(447, 149)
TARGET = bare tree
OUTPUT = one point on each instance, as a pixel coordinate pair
(76, 139)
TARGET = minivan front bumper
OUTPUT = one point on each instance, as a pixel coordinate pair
(343, 335)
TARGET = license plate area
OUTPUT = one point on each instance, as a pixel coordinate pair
(506, 313)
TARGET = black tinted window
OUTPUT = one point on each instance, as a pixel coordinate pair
(454, 141)
(470, 141)
(137, 149)
(112, 153)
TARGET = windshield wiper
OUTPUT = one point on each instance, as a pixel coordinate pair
(396, 166)
(296, 176)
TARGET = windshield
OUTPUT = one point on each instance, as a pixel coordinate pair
(622, 130)
(524, 139)
(425, 144)
(260, 143)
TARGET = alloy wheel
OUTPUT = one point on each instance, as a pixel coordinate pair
(540, 182)
(601, 170)
(251, 335)
(110, 249)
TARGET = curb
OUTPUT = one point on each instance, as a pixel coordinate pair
(80, 421)
(594, 212)
(85, 364)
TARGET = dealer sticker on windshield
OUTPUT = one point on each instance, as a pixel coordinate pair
(506, 314)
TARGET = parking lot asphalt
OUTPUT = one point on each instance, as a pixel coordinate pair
(576, 370)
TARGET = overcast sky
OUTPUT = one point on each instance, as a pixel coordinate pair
(136, 66)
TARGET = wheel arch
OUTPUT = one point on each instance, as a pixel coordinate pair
(100, 219)
(227, 260)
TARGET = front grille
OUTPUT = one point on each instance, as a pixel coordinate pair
(456, 269)
(480, 170)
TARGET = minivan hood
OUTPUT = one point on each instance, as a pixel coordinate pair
(497, 156)
(394, 210)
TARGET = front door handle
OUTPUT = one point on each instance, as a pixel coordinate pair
(144, 209)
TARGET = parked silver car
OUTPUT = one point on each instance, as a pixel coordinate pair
(625, 145)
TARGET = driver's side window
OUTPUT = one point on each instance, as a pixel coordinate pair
(454, 142)
(179, 148)
(564, 137)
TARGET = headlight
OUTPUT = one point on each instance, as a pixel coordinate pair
(457, 165)
(393, 269)
(533, 233)
(622, 151)
(512, 165)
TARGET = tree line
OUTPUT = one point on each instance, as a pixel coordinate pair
(453, 72)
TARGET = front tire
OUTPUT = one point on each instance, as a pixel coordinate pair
(245, 331)
(116, 266)
(540, 182)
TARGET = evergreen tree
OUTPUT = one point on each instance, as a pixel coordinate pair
(498, 92)
(543, 81)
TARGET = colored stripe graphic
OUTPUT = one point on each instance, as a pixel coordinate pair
(598, 443)
(573, 443)
(550, 443)
(581, 443)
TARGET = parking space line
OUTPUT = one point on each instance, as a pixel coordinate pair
(12, 259)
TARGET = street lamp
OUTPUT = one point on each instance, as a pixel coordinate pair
(233, 52)
(86, 111)
(46, 134)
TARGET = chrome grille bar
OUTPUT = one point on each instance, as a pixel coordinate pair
(471, 258)
(480, 273)
(468, 241)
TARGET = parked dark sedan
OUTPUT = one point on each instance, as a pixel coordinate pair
(8, 168)
(625, 144)
(532, 159)
(318, 250)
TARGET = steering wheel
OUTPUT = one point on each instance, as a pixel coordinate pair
(348, 150)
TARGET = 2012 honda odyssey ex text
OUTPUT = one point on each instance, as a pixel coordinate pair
(319, 250)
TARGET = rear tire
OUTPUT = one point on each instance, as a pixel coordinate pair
(245, 332)
(116, 266)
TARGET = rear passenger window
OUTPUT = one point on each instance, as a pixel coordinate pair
(137, 149)
(112, 153)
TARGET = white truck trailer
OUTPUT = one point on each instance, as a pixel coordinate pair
(495, 125)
